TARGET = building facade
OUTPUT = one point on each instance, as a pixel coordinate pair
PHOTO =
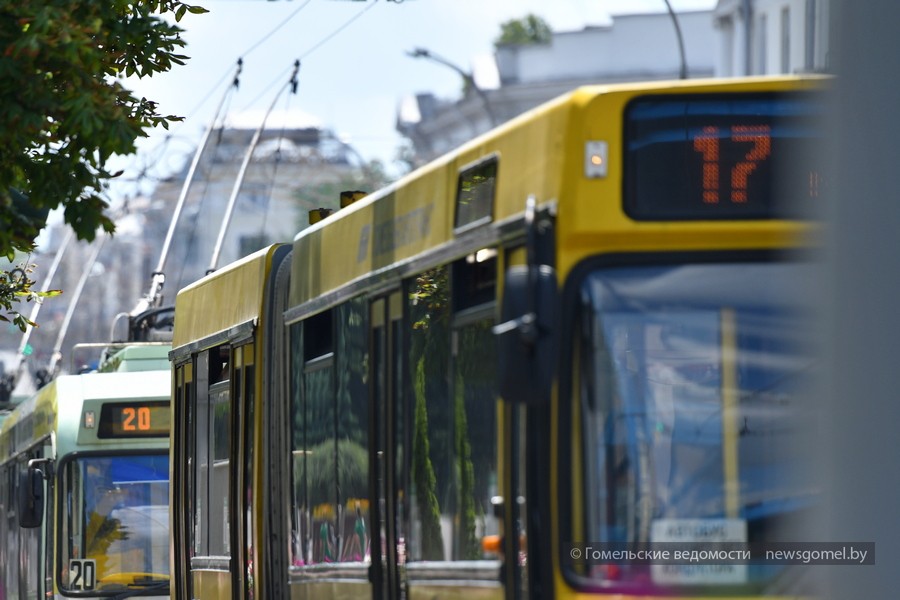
(768, 37)
(272, 201)
(634, 47)
(736, 38)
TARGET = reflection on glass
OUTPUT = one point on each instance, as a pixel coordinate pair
(691, 384)
(453, 426)
(330, 507)
(116, 522)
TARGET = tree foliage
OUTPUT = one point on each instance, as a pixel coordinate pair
(66, 111)
(528, 30)
(17, 286)
(423, 475)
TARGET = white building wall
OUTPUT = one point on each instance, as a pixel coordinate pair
(725, 64)
(795, 59)
(768, 54)
(768, 27)
(634, 47)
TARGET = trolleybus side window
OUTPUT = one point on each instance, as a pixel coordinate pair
(454, 438)
(220, 484)
(475, 191)
(319, 416)
(30, 544)
(5, 531)
(199, 460)
(351, 351)
(300, 513)
(211, 452)
(10, 566)
(244, 386)
(183, 475)
(432, 489)
(329, 441)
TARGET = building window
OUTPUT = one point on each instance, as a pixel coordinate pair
(810, 45)
(785, 40)
(763, 38)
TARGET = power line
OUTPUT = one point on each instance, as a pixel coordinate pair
(338, 30)
(160, 148)
(279, 26)
(270, 185)
(315, 47)
(232, 200)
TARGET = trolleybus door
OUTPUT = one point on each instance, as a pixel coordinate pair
(512, 509)
(386, 471)
(35, 565)
(525, 368)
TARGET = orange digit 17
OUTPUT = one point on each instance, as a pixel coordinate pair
(707, 144)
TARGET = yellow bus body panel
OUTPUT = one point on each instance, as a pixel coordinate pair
(540, 153)
(222, 299)
(211, 584)
(34, 419)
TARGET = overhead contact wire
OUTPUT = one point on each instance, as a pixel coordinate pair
(226, 219)
(315, 47)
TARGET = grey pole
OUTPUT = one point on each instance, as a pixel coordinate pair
(861, 441)
(467, 77)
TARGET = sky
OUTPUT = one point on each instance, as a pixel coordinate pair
(354, 68)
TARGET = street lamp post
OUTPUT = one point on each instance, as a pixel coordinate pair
(683, 73)
(467, 77)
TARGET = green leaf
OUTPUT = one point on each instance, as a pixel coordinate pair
(66, 113)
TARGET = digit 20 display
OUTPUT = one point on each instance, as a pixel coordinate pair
(134, 419)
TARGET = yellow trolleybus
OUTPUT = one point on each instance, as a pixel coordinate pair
(582, 331)
(85, 483)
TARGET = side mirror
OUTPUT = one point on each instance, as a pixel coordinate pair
(527, 334)
(31, 498)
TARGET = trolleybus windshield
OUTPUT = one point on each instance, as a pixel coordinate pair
(115, 532)
(694, 419)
